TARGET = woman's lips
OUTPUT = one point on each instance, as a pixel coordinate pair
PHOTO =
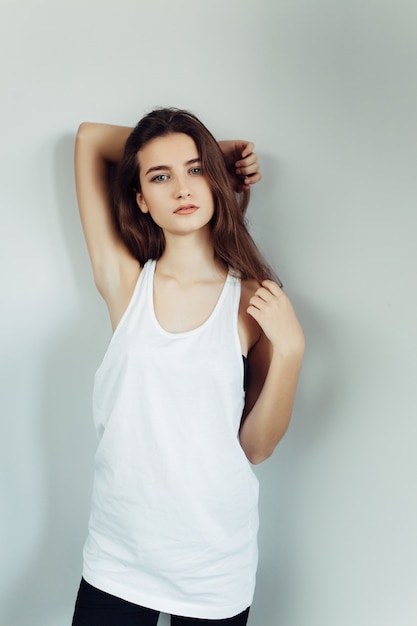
(186, 209)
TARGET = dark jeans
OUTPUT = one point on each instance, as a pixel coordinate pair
(98, 608)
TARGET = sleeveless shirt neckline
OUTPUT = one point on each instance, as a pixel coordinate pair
(201, 327)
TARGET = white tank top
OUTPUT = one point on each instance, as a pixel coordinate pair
(174, 515)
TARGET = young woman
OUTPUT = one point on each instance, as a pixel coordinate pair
(198, 380)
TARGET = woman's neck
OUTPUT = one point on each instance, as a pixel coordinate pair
(190, 258)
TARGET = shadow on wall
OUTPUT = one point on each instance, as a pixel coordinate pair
(45, 593)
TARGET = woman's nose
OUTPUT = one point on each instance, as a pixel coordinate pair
(183, 190)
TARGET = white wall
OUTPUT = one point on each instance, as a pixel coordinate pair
(327, 90)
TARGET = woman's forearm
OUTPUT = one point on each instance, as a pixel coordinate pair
(268, 420)
(106, 141)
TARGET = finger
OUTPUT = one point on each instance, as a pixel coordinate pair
(247, 181)
(272, 287)
(251, 163)
(252, 179)
(250, 159)
(261, 300)
(256, 302)
(248, 170)
(246, 148)
(262, 296)
(255, 313)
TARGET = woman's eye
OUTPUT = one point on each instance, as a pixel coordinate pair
(195, 170)
(160, 178)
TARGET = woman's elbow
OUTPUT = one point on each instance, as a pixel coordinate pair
(258, 458)
(258, 451)
(257, 455)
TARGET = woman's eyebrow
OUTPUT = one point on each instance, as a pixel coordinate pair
(156, 168)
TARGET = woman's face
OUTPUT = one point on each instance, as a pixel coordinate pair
(174, 190)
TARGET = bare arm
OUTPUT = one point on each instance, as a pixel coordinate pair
(96, 146)
(274, 367)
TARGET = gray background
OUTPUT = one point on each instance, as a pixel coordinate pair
(327, 90)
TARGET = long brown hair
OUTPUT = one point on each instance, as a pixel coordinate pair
(145, 240)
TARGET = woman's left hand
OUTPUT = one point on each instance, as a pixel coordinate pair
(241, 161)
(273, 311)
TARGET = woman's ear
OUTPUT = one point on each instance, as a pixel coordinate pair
(141, 202)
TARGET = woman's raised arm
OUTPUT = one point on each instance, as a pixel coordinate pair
(98, 145)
